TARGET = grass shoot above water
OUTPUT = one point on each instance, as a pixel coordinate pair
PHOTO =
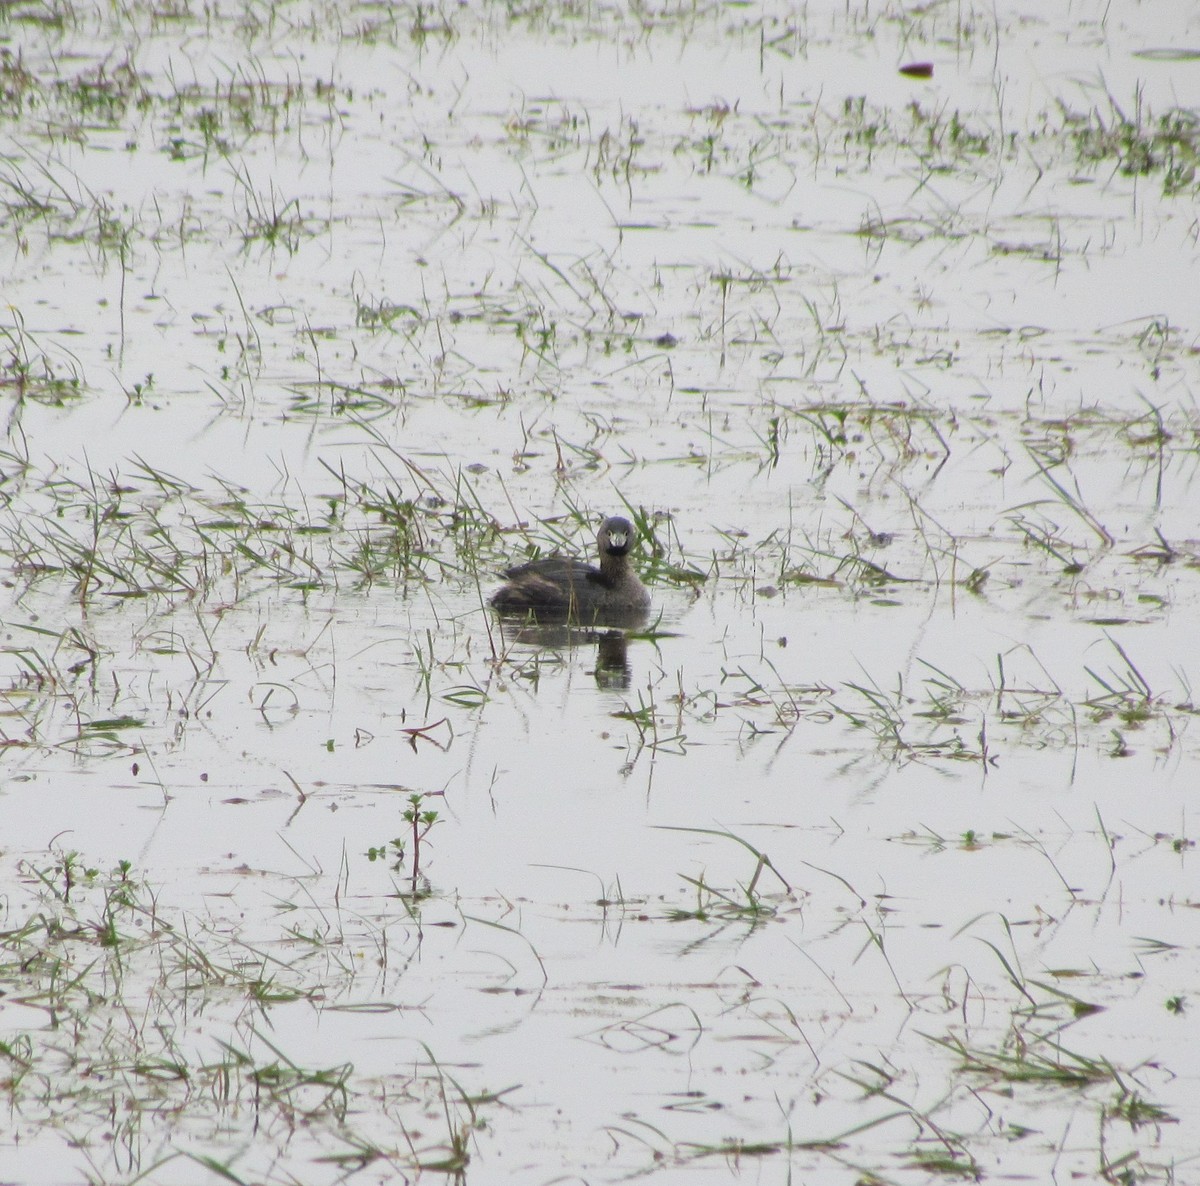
(318, 316)
(117, 1061)
(147, 536)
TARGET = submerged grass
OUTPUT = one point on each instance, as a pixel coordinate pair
(111, 980)
(820, 417)
(149, 536)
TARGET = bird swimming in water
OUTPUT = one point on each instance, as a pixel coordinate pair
(561, 587)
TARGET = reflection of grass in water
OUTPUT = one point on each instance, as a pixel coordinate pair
(124, 980)
(1014, 1075)
(149, 536)
(746, 903)
(180, 557)
(28, 372)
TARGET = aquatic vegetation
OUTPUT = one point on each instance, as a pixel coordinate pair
(877, 325)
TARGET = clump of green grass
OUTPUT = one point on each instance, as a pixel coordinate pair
(147, 534)
(29, 372)
(744, 903)
(1140, 143)
(125, 1071)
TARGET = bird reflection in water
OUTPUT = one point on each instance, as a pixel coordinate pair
(609, 635)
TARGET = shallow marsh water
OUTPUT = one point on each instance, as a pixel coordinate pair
(877, 862)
